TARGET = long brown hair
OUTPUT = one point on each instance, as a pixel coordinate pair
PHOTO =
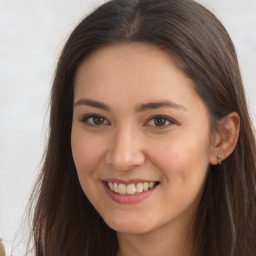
(64, 221)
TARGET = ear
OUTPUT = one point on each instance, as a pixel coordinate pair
(225, 138)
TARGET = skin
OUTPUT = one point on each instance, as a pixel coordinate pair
(128, 145)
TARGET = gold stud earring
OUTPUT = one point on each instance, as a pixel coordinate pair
(219, 159)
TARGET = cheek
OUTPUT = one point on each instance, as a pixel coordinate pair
(87, 152)
(182, 158)
(183, 166)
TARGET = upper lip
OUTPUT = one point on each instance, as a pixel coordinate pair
(126, 182)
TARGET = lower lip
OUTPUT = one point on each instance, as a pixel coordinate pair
(128, 199)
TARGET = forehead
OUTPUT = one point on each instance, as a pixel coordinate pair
(130, 58)
(132, 73)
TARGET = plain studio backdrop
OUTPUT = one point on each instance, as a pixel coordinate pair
(32, 34)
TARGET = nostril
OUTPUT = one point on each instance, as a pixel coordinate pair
(122, 161)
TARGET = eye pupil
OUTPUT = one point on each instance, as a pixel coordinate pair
(160, 121)
(98, 120)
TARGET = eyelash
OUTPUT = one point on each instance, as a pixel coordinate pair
(90, 121)
(86, 120)
(162, 118)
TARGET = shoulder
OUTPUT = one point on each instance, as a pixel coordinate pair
(2, 250)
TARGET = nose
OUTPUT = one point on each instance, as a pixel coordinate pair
(125, 150)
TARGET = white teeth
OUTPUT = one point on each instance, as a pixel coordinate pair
(110, 184)
(130, 189)
(139, 187)
(116, 187)
(122, 189)
(145, 186)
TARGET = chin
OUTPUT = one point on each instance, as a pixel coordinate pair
(129, 227)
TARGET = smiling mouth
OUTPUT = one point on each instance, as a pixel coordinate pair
(131, 189)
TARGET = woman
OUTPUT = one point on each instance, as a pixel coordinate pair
(151, 149)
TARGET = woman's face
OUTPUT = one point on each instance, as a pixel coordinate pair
(139, 129)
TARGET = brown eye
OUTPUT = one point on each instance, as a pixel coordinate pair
(160, 121)
(98, 120)
(95, 120)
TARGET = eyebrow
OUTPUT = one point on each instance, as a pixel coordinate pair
(140, 108)
(160, 104)
(92, 103)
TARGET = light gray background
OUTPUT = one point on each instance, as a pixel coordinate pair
(32, 33)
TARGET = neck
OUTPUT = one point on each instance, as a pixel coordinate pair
(165, 241)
